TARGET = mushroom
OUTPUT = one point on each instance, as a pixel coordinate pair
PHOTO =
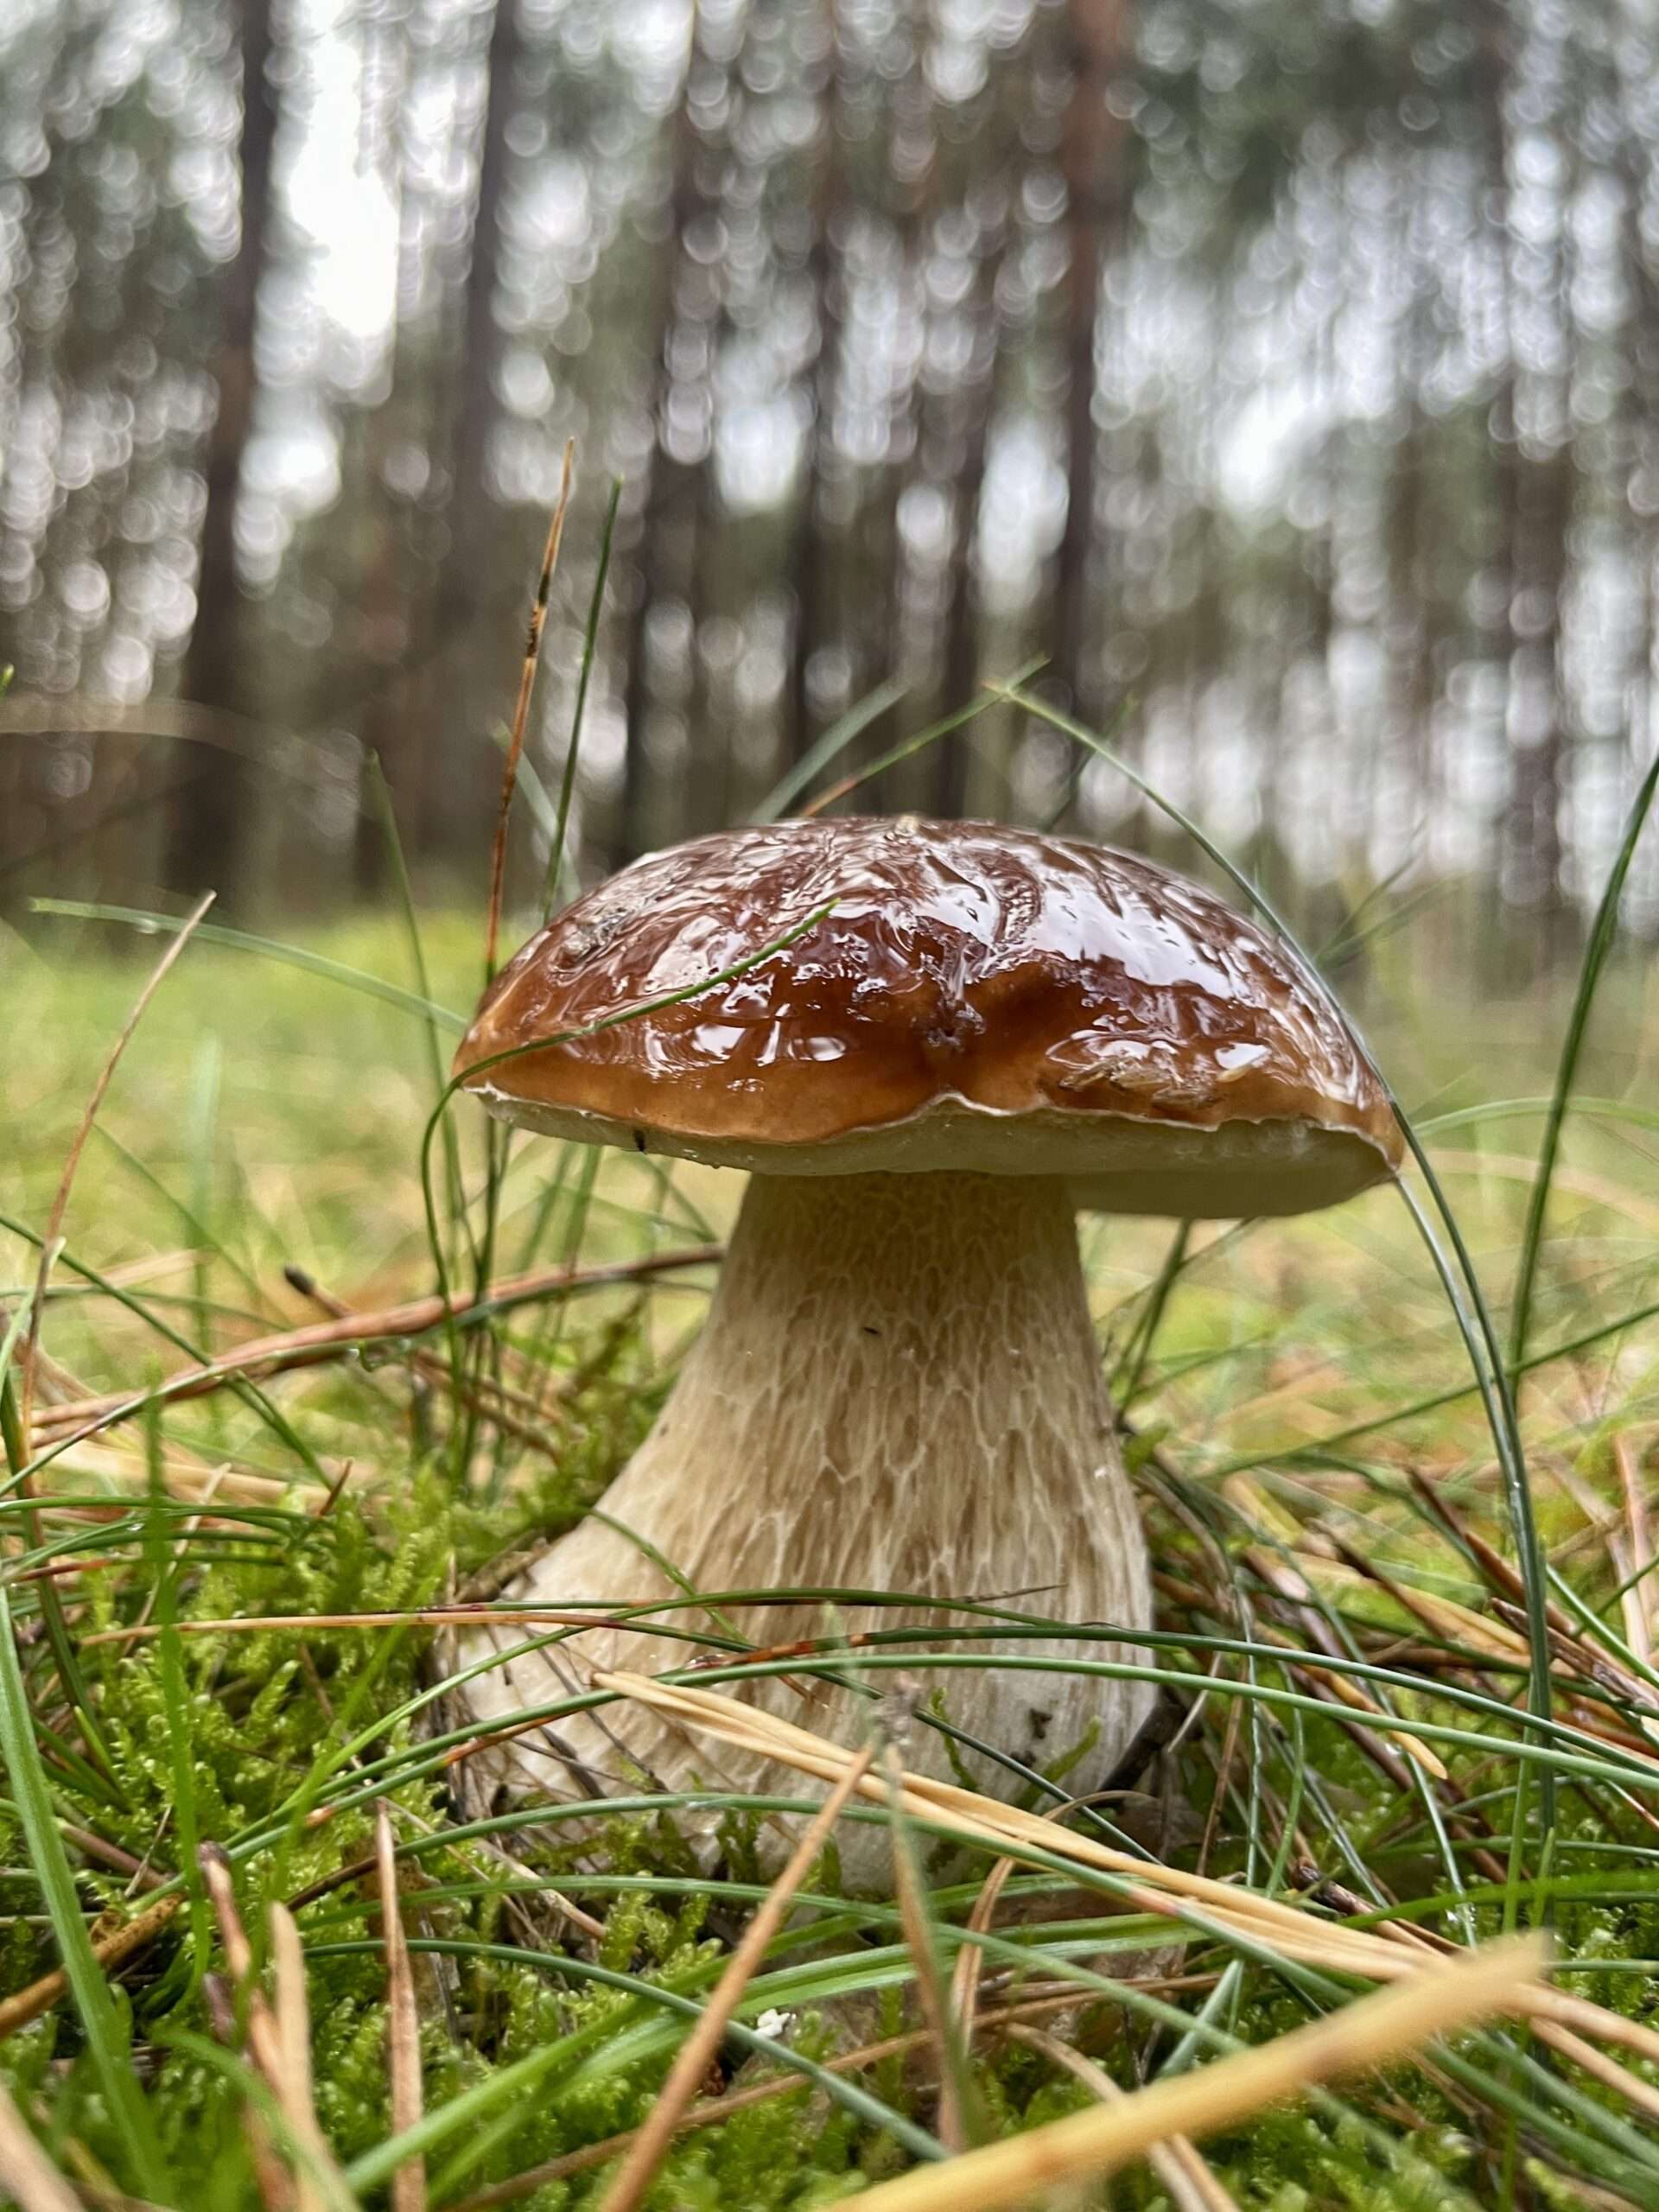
(899, 1387)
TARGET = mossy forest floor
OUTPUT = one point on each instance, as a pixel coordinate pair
(1340, 1558)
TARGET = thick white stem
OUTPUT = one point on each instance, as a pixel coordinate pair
(899, 1389)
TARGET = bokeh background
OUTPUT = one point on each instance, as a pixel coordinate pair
(1286, 374)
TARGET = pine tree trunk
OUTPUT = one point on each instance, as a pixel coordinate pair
(961, 634)
(457, 808)
(1091, 156)
(807, 562)
(209, 819)
(666, 495)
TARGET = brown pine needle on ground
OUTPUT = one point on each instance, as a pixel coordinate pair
(1213, 1907)
(292, 2013)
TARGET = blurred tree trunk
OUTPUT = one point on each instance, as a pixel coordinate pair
(1640, 418)
(1407, 525)
(1549, 492)
(390, 727)
(807, 562)
(208, 819)
(1411, 587)
(1534, 494)
(1491, 69)
(898, 631)
(1543, 492)
(389, 722)
(711, 733)
(1092, 158)
(669, 487)
(458, 805)
(962, 634)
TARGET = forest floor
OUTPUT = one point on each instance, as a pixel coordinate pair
(1345, 1577)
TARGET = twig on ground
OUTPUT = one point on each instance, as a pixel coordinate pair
(326, 1340)
(109, 1950)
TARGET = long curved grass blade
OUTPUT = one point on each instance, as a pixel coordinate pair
(829, 746)
(194, 1226)
(1602, 932)
(557, 855)
(631, 1013)
(906, 748)
(1500, 1110)
(1479, 1336)
(386, 809)
(288, 956)
(521, 706)
(164, 1566)
(106, 2045)
(1133, 1365)
(57, 1636)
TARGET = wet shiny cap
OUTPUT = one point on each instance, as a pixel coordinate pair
(979, 999)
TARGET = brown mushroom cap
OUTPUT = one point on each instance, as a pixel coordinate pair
(979, 999)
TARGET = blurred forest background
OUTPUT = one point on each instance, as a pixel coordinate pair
(1288, 371)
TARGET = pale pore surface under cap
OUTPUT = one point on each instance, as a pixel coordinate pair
(1112, 1163)
(899, 1388)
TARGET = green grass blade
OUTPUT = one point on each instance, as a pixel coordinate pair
(590, 636)
(1476, 1328)
(829, 746)
(290, 955)
(1602, 935)
(175, 1700)
(907, 747)
(250, 1393)
(625, 1014)
(436, 1057)
(106, 2042)
(194, 1227)
(439, 2126)
(1504, 1110)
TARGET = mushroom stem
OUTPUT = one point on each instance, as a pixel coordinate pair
(899, 1388)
